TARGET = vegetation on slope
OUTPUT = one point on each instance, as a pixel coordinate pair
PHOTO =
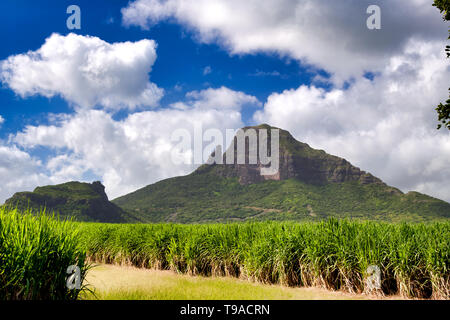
(206, 197)
(82, 201)
(413, 258)
(310, 185)
(35, 252)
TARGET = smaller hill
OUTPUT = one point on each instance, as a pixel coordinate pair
(83, 201)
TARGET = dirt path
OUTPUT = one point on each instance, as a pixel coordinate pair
(121, 283)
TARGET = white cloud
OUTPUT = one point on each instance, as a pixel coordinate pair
(1, 121)
(386, 126)
(19, 171)
(86, 71)
(135, 151)
(22, 172)
(328, 34)
(221, 99)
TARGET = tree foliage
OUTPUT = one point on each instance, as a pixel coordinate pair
(442, 109)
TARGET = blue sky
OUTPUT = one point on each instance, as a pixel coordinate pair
(311, 67)
(180, 64)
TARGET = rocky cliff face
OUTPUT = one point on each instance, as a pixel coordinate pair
(296, 160)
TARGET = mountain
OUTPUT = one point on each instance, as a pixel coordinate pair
(83, 201)
(310, 185)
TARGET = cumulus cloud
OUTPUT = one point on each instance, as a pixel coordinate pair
(86, 71)
(221, 99)
(1, 120)
(136, 151)
(386, 126)
(328, 34)
(19, 171)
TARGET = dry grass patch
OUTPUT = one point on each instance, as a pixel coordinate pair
(112, 282)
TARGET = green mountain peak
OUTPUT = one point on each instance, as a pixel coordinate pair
(297, 160)
(309, 185)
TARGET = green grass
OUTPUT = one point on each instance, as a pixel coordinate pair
(335, 254)
(35, 252)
